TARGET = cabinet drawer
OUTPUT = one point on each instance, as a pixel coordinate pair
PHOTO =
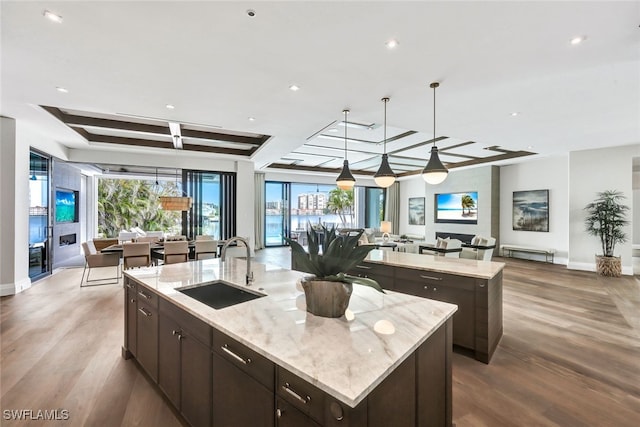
(148, 297)
(197, 328)
(372, 268)
(130, 285)
(254, 364)
(299, 393)
(434, 278)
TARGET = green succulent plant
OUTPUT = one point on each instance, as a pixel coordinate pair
(339, 254)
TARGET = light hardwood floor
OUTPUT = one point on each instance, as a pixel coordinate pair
(570, 354)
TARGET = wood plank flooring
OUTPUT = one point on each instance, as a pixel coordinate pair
(570, 354)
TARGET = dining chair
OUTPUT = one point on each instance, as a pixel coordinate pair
(204, 237)
(136, 254)
(101, 243)
(206, 249)
(149, 239)
(175, 252)
(93, 259)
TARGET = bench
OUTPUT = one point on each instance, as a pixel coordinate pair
(508, 250)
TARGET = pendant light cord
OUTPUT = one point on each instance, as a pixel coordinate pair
(434, 85)
(345, 133)
(385, 100)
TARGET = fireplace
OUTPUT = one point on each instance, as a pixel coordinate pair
(68, 239)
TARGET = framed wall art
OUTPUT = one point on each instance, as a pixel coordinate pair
(416, 210)
(531, 210)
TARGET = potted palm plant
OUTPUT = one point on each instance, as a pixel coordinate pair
(606, 218)
(328, 291)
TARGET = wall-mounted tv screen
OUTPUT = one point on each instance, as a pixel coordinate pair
(66, 205)
(461, 208)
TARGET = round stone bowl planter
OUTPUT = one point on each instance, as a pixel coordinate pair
(325, 298)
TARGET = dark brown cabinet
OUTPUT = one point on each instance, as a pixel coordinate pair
(380, 273)
(456, 290)
(242, 385)
(477, 325)
(214, 380)
(184, 363)
(289, 416)
(147, 332)
(131, 312)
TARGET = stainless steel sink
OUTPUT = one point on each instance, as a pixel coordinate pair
(219, 294)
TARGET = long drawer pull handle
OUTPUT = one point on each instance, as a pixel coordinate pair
(235, 356)
(145, 312)
(286, 387)
(431, 277)
(144, 295)
(364, 267)
(130, 286)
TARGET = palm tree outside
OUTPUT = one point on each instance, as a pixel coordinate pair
(127, 203)
(467, 202)
(341, 203)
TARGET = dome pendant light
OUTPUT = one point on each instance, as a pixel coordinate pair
(434, 172)
(345, 180)
(385, 177)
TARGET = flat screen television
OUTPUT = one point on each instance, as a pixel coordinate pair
(66, 205)
(460, 208)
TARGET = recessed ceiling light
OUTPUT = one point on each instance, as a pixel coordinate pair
(294, 88)
(515, 113)
(251, 12)
(61, 89)
(170, 106)
(529, 147)
(578, 40)
(52, 16)
(252, 119)
(392, 44)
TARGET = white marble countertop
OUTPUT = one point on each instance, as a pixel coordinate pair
(346, 357)
(441, 264)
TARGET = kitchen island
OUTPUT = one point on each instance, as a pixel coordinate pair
(474, 286)
(269, 362)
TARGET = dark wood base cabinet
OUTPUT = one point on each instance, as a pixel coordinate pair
(477, 325)
(215, 381)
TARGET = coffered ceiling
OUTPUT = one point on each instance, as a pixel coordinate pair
(513, 86)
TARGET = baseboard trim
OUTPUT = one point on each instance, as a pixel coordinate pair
(627, 270)
(14, 288)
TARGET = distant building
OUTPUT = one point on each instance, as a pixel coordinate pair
(312, 201)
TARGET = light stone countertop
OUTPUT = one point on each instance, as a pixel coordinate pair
(346, 357)
(441, 264)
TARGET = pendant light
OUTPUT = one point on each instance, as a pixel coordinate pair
(345, 180)
(176, 203)
(385, 177)
(434, 172)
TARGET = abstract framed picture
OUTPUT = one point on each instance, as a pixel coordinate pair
(531, 210)
(416, 210)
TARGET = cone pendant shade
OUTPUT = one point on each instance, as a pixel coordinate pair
(345, 180)
(384, 177)
(434, 172)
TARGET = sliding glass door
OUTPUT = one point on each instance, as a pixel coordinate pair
(214, 204)
(39, 216)
(277, 213)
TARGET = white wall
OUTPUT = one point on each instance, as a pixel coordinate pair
(550, 173)
(14, 212)
(412, 187)
(590, 172)
(459, 181)
(245, 202)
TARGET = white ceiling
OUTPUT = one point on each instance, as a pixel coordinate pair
(219, 67)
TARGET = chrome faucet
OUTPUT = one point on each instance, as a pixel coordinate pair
(249, 276)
